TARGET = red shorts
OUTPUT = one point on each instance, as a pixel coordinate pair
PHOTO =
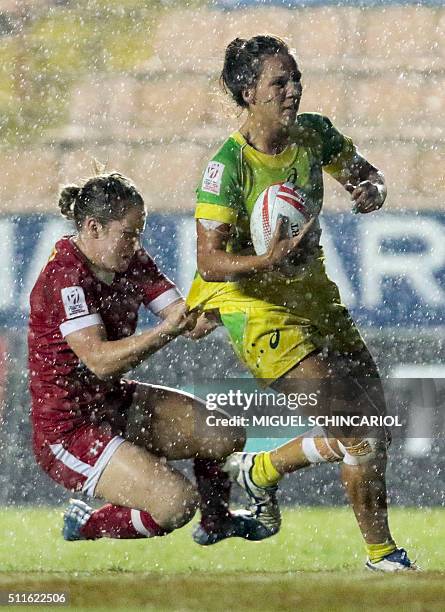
(78, 460)
(78, 463)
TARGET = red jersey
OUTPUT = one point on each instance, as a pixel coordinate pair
(68, 297)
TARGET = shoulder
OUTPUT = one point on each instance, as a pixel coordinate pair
(225, 160)
(59, 280)
(229, 151)
(220, 183)
(313, 124)
(65, 263)
(318, 131)
(63, 269)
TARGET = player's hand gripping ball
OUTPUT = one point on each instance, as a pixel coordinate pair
(277, 201)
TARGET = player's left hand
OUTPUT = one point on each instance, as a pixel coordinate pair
(205, 324)
(367, 196)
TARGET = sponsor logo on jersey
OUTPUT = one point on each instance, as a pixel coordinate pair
(274, 340)
(74, 302)
(213, 177)
(292, 178)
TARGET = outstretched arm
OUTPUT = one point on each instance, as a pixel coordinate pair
(110, 358)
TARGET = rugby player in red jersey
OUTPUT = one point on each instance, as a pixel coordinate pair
(96, 432)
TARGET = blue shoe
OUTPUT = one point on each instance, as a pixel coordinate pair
(263, 504)
(74, 518)
(242, 524)
(396, 561)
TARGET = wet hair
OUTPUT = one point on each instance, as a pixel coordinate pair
(243, 63)
(107, 197)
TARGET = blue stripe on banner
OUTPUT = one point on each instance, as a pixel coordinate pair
(390, 267)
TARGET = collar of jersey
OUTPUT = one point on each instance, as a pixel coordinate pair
(279, 160)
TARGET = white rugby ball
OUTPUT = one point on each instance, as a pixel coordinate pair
(279, 200)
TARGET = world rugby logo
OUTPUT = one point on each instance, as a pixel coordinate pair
(74, 297)
(74, 302)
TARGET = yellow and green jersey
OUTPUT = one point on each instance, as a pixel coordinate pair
(236, 176)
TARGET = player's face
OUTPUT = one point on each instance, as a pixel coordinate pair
(121, 239)
(278, 91)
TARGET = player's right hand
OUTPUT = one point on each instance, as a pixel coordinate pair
(281, 246)
(180, 320)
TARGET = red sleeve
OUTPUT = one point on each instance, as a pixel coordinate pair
(74, 305)
(158, 290)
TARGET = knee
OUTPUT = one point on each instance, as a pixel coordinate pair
(229, 441)
(180, 508)
(360, 451)
(185, 507)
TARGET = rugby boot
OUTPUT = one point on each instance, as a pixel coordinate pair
(397, 561)
(239, 524)
(263, 504)
(74, 518)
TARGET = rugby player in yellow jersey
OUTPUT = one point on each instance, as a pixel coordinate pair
(286, 320)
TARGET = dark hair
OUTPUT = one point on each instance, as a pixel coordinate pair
(243, 62)
(107, 197)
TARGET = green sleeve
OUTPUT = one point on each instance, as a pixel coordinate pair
(333, 145)
(219, 193)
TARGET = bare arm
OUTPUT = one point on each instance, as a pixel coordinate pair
(175, 307)
(215, 264)
(107, 359)
(364, 182)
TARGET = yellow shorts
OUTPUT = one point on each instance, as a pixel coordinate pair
(271, 337)
(270, 340)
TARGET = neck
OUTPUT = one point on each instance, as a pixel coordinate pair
(93, 261)
(271, 140)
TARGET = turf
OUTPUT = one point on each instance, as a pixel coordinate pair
(315, 563)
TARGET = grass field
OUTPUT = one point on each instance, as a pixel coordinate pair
(315, 563)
